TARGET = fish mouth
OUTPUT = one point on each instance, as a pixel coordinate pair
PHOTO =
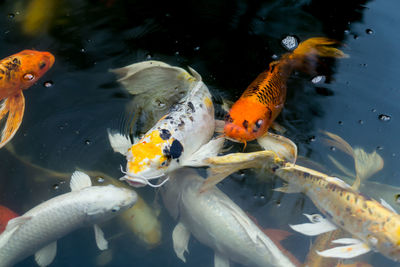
(237, 133)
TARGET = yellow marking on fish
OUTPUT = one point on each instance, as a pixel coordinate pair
(186, 76)
(398, 236)
(208, 102)
(145, 151)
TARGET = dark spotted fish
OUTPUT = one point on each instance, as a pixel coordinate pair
(18, 72)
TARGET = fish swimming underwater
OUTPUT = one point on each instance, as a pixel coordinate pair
(37, 230)
(375, 226)
(19, 72)
(5, 215)
(252, 114)
(180, 138)
(216, 221)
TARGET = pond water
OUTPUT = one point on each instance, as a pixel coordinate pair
(229, 43)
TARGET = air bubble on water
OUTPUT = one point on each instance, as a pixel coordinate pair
(290, 43)
(88, 142)
(56, 186)
(397, 198)
(312, 138)
(369, 31)
(11, 15)
(333, 148)
(83, 50)
(318, 79)
(149, 56)
(384, 117)
(197, 48)
(274, 57)
(340, 122)
(177, 53)
(373, 110)
(361, 122)
(346, 32)
(48, 84)
(100, 179)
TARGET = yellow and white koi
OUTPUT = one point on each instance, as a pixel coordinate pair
(180, 138)
(375, 226)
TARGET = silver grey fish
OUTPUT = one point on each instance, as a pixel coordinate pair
(37, 230)
(216, 221)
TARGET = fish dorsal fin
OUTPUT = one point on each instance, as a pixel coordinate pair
(12, 226)
(79, 180)
(338, 182)
(195, 74)
(46, 255)
(120, 143)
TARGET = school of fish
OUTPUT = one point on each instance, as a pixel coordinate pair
(170, 136)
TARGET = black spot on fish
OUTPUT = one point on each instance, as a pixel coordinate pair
(306, 175)
(165, 134)
(245, 124)
(201, 105)
(168, 117)
(191, 118)
(228, 118)
(191, 106)
(16, 61)
(1, 71)
(348, 197)
(274, 168)
(176, 149)
(1, 77)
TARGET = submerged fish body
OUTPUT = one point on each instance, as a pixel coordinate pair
(252, 114)
(5, 215)
(180, 138)
(38, 229)
(18, 72)
(217, 222)
(375, 224)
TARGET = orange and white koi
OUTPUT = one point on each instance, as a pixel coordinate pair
(253, 113)
(180, 138)
(19, 72)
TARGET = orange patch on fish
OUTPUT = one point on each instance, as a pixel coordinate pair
(146, 151)
(5, 215)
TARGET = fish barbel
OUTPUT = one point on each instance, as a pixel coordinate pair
(180, 138)
(216, 221)
(37, 230)
(252, 114)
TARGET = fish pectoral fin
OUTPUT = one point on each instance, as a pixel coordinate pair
(210, 149)
(11, 227)
(79, 180)
(387, 205)
(120, 143)
(46, 255)
(12, 111)
(281, 145)
(353, 248)
(278, 128)
(101, 242)
(180, 238)
(367, 164)
(219, 126)
(220, 260)
(288, 189)
(318, 225)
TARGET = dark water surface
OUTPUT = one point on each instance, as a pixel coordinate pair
(229, 43)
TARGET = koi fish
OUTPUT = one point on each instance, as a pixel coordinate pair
(252, 114)
(5, 215)
(375, 226)
(180, 138)
(217, 222)
(38, 229)
(19, 72)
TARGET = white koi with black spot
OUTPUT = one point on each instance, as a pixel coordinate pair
(180, 138)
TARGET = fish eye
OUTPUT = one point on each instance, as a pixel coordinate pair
(259, 123)
(115, 209)
(29, 77)
(42, 65)
(316, 218)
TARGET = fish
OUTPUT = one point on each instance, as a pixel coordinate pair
(36, 231)
(374, 225)
(141, 220)
(156, 87)
(252, 114)
(5, 215)
(217, 222)
(182, 137)
(18, 72)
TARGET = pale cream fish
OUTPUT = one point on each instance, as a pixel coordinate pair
(36, 231)
(180, 138)
(375, 226)
(217, 222)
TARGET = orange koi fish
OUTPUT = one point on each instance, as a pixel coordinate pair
(18, 72)
(5, 215)
(262, 101)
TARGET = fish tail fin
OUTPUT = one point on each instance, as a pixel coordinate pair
(305, 56)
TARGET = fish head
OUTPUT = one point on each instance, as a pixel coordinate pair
(32, 66)
(247, 120)
(152, 157)
(110, 200)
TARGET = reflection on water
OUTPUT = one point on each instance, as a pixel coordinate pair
(229, 43)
